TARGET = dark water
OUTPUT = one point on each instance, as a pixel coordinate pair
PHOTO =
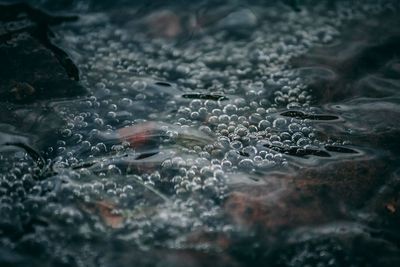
(200, 134)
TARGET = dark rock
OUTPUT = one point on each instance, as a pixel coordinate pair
(362, 64)
(32, 68)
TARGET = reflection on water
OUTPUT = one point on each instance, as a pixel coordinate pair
(201, 134)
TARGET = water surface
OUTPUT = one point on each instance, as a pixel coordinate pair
(209, 134)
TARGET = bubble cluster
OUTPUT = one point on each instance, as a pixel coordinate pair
(215, 102)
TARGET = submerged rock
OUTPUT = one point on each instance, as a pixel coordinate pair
(33, 71)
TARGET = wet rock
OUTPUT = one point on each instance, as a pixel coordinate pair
(33, 70)
(32, 67)
(294, 215)
(271, 211)
(312, 196)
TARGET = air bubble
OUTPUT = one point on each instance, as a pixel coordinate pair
(294, 127)
(246, 164)
(241, 131)
(195, 104)
(303, 141)
(251, 151)
(223, 119)
(230, 109)
(264, 124)
(139, 85)
(279, 123)
(236, 144)
(111, 114)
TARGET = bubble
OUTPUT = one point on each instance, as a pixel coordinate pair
(98, 186)
(87, 188)
(195, 104)
(261, 111)
(86, 145)
(257, 160)
(274, 138)
(213, 120)
(251, 151)
(113, 170)
(279, 123)
(205, 155)
(184, 111)
(183, 69)
(280, 100)
(197, 180)
(111, 115)
(224, 141)
(177, 162)
(296, 136)
(253, 104)
(305, 130)
(216, 112)
(210, 183)
(140, 96)
(203, 112)
(194, 115)
(113, 107)
(294, 127)
(293, 104)
(36, 190)
(230, 109)
(267, 163)
(95, 150)
(231, 129)
(241, 131)
(236, 144)
(303, 141)
(109, 185)
(66, 133)
(255, 118)
(70, 125)
(311, 135)
(205, 129)
(224, 132)
(232, 155)
(264, 124)
(210, 105)
(246, 164)
(223, 119)
(99, 121)
(139, 85)
(126, 102)
(219, 174)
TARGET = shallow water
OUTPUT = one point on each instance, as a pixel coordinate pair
(224, 134)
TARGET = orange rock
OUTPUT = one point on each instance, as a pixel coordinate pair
(309, 197)
(164, 24)
(137, 135)
(106, 211)
(391, 207)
